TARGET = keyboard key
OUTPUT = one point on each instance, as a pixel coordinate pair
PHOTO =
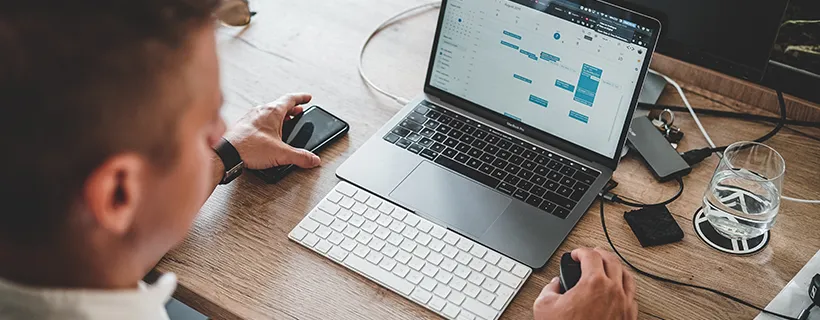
(421, 109)
(455, 134)
(521, 195)
(577, 195)
(471, 290)
(445, 119)
(427, 133)
(538, 191)
(481, 134)
(387, 264)
(321, 217)
(463, 147)
(547, 206)
(415, 148)
(564, 191)
(524, 184)
(463, 258)
(551, 185)
(538, 180)
(583, 177)
(414, 277)
(517, 150)
(451, 310)
(431, 124)
(541, 160)
(529, 165)
(524, 174)
(492, 139)
(486, 297)
(567, 171)
(475, 153)
(417, 117)
(504, 155)
(499, 174)
(567, 181)
(509, 279)
(426, 142)
(559, 200)
(298, 233)
(444, 278)
(404, 143)
(401, 132)
(429, 154)
(516, 160)
(479, 309)
(504, 144)
(529, 155)
(438, 137)
(554, 165)
(534, 201)
(492, 272)
(469, 172)
(476, 278)
(338, 253)
(491, 149)
(555, 176)
(467, 139)
(457, 124)
(506, 188)
(415, 137)
(392, 137)
(480, 144)
(450, 142)
(520, 271)
(411, 125)
(561, 212)
(464, 244)
(438, 147)
(512, 169)
(511, 179)
(462, 272)
(506, 264)
(378, 274)
(450, 153)
(437, 303)
(486, 168)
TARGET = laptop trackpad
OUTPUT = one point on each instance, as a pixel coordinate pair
(451, 199)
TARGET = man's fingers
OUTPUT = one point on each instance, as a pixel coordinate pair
(554, 287)
(612, 266)
(548, 294)
(292, 100)
(295, 111)
(591, 261)
(302, 158)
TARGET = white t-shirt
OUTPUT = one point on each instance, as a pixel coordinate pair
(146, 302)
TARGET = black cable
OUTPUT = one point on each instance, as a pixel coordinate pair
(729, 114)
(695, 156)
(619, 199)
(662, 279)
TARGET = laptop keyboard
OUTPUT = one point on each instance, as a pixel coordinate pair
(512, 166)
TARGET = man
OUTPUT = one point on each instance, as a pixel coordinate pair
(110, 113)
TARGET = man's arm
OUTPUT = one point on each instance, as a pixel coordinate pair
(258, 138)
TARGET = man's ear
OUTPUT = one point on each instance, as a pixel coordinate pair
(113, 191)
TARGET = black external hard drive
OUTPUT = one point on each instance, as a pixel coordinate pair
(666, 164)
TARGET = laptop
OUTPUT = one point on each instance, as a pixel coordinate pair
(525, 111)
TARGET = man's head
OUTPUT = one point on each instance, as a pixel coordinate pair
(109, 110)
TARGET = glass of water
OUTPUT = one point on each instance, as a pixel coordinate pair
(743, 199)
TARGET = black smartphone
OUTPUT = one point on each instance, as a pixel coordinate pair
(312, 130)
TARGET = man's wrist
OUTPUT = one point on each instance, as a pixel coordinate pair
(232, 163)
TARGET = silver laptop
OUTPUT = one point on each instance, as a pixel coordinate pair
(524, 114)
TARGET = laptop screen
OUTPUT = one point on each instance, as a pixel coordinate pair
(554, 65)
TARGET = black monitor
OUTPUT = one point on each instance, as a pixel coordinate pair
(734, 37)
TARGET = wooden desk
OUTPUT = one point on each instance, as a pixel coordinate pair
(238, 263)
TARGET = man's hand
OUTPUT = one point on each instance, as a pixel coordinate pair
(606, 291)
(258, 135)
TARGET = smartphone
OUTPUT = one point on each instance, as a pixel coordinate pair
(312, 130)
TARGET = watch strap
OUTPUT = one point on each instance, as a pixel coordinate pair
(230, 159)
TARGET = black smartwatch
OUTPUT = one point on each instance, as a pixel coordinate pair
(231, 159)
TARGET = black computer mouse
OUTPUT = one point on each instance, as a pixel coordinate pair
(569, 272)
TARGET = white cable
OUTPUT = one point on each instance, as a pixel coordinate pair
(688, 106)
(706, 135)
(385, 24)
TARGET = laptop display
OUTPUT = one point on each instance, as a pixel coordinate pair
(557, 66)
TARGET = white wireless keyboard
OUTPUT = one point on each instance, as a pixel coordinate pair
(430, 265)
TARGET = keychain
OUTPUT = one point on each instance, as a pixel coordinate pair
(665, 124)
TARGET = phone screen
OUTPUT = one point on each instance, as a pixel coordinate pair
(311, 128)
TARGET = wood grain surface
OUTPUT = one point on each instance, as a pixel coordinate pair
(237, 262)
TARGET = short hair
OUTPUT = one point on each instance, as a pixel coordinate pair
(81, 81)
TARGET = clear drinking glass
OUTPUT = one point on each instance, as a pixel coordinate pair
(743, 199)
